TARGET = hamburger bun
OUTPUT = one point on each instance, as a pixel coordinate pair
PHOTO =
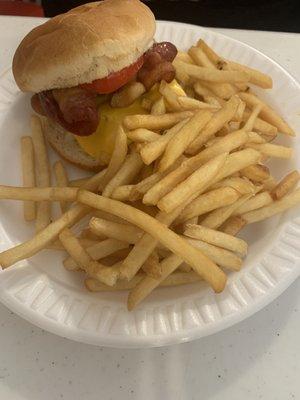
(87, 43)
(66, 145)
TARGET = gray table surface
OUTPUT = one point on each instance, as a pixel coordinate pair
(256, 359)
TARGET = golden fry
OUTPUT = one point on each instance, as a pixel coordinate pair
(197, 182)
(155, 122)
(62, 180)
(151, 151)
(28, 172)
(216, 238)
(200, 263)
(43, 176)
(181, 140)
(267, 113)
(222, 116)
(288, 201)
(285, 185)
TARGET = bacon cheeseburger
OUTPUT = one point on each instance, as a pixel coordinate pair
(76, 61)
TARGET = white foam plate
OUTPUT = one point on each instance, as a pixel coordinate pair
(42, 292)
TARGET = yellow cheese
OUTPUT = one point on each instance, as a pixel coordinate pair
(102, 141)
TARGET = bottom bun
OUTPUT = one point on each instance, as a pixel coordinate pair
(65, 144)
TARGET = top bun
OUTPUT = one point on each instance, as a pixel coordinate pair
(86, 43)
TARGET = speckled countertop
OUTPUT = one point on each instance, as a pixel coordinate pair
(256, 359)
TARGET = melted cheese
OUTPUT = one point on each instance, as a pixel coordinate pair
(102, 141)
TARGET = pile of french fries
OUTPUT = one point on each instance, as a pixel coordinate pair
(182, 182)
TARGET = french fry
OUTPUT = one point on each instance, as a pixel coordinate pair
(56, 245)
(276, 207)
(126, 173)
(143, 186)
(249, 125)
(233, 225)
(255, 138)
(185, 57)
(181, 140)
(152, 267)
(224, 90)
(62, 180)
(148, 284)
(234, 163)
(207, 95)
(287, 184)
(256, 77)
(97, 251)
(28, 172)
(217, 217)
(145, 246)
(43, 177)
(187, 103)
(158, 107)
(128, 94)
(113, 230)
(273, 150)
(151, 151)
(216, 238)
(224, 258)
(122, 193)
(238, 116)
(42, 238)
(195, 183)
(261, 125)
(257, 172)
(182, 78)
(190, 221)
(208, 202)
(210, 53)
(38, 194)
(201, 264)
(211, 75)
(222, 116)
(45, 237)
(259, 200)
(170, 97)
(142, 135)
(94, 269)
(117, 159)
(267, 113)
(78, 182)
(165, 185)
(240, 185)
(237, 161)
(155, 122)
(108, 217)
(175, 279)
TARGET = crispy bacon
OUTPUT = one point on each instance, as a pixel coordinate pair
(158, 64)
(75, 109)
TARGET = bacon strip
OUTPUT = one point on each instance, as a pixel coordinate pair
(158, 64)
(75, 109)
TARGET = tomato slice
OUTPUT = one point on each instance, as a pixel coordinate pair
(115, 80)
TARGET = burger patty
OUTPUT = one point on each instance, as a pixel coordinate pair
(75, 109)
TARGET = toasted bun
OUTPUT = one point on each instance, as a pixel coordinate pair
(65, 144)
(86, 43)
